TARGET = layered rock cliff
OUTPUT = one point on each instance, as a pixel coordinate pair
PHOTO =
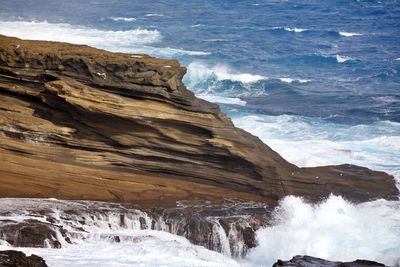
(82, 123)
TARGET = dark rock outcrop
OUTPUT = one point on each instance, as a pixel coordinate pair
(307, 261)
(30, 233)
(12, 258)
(82, 123)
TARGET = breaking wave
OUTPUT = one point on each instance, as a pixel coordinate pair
(129, 41)
(335, 230)
(79, 34)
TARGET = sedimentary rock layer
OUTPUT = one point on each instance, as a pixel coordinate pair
(82, 123)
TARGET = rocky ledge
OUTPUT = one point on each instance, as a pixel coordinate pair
(307, 261)
(82, 123)
(228, 228)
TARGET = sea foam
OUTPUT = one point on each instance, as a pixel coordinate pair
(150, 248)
(334, 229)
(310, 142)
(130, 41)
(198, 72)
(78, 34)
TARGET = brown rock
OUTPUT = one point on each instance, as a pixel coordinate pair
(82, 123)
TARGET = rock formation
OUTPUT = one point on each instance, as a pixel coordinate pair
(11, 258)
(82, 123)
(307, 261)
(228, 228)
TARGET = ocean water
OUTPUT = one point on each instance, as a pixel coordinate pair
(316, 80)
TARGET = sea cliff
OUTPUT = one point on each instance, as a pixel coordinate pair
(81, 123)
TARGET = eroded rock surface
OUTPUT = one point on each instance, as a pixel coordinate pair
(82, 123)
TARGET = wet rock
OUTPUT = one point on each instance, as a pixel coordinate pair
(307, 261)
(227, 227)
(30, 233)
(11, 258)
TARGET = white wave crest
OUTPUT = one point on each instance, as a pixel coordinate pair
(78, 34)
(123, 19)
(288, 29)
(292, 80)
(341, 59)
(223, 100)
(154, 15)
(310, 142)
(349, 34)
(335, 230)
(294, 29)
(130, 41)
(197, 73)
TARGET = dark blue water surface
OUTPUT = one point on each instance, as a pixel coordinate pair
(343, 56)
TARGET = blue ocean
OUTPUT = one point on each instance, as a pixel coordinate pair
(317, 80)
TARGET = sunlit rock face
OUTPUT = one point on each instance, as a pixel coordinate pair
(82, 123)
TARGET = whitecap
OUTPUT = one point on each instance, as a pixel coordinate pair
(341, 59)
(154, 15)
(123, 19)
(223, 100)
(295, 29)
(198, 73)
(397, 59)
(292, 80)
(349, 34)
(169, 51)
(289, 29)
(196, 25)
